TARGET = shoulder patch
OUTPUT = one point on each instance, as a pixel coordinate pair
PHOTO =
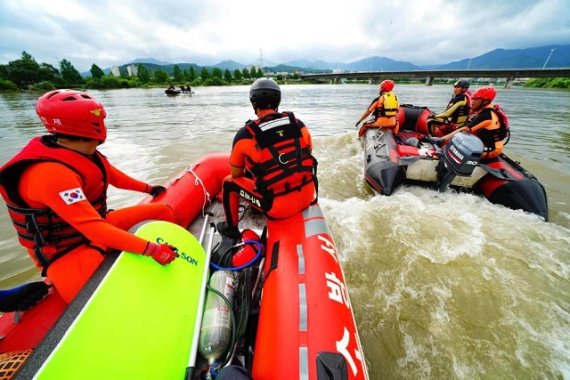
(72, 196)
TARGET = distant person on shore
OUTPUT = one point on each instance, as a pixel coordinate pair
(456, 114)
(55, 189)
(272, 167)
(484, 122)
(384, 108)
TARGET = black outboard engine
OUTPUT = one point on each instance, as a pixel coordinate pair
(460, 157)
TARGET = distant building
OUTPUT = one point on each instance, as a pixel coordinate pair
(132, 70)
(115, 71)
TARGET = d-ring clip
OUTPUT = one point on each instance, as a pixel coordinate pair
(281, 160)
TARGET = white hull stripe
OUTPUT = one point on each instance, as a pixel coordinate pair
(302, 308)
(303, 363)
(301, 259)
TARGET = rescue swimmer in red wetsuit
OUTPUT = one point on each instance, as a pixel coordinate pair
(384, 108)
(484, 122)
(272, 167)
(55, 189)
(456, 114)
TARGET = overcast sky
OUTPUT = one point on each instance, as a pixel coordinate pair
(114, 32)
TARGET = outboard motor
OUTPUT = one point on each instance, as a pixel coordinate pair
(460, 157)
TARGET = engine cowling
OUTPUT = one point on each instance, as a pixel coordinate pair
(463, 153)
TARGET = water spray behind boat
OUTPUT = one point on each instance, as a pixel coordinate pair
(460, 157)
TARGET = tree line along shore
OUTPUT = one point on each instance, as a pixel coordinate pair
(26, 74)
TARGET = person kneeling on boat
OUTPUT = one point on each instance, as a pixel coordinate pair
(456, 114)
(272, 166)
(384, 108)
(483, 122)
(55, 189)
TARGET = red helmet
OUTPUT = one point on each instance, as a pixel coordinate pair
(73, 113)
(486, 93)
(387, 85)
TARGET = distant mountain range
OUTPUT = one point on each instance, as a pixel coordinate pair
(537, 57)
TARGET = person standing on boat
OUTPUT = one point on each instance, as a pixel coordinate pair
(272, 167)
(55, 189)
(485, 123)
(456, 114)
(384, 108)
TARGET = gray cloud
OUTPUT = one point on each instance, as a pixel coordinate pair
(108, 32)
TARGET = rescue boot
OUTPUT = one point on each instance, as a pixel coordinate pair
(226, 230)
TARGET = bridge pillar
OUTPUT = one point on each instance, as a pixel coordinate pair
(429, 81)
(337, 80)
(510, 82)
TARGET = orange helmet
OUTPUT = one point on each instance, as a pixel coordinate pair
(73, 113)
(486, 93)
(386, 85)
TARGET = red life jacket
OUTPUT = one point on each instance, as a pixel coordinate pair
(505, 130)
(42, 229)
(286, 163)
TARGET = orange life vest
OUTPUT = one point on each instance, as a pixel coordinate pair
(286, 163)
(43, 230)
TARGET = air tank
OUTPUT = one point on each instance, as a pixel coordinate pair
(216, 329)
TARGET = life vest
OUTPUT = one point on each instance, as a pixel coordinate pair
(42, 230)
(461, 114)
(390, 106)
(505, 130)
(488, 136)
(286, 163)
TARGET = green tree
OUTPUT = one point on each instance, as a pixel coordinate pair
(96, 72)
(204, 74)
(69, 73)
(227, 75)
(217, 73)
(245, 73)
(124, 73)
(160, 76)
(191, 74)
(23, 71)
(253, 72)
(259, 73)
(177, 74)
(3, 71)
(142, 74)
(49, 73)
(237, 74)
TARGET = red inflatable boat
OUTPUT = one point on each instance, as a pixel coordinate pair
(296, 317)
(409, 157)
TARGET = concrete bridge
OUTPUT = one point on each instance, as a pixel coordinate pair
(430, 75)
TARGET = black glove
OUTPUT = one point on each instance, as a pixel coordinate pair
(357, 124)
(156, 190)
(436, 140)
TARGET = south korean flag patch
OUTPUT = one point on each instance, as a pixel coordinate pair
(72, 196)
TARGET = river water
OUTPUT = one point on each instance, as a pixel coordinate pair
(443, 286)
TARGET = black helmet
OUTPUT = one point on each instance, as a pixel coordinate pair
(265, 94)
(462, 83)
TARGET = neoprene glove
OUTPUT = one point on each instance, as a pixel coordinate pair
(161, 253)
(156, 190)
(357, 123)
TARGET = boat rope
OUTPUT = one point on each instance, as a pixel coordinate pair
(198, 181)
